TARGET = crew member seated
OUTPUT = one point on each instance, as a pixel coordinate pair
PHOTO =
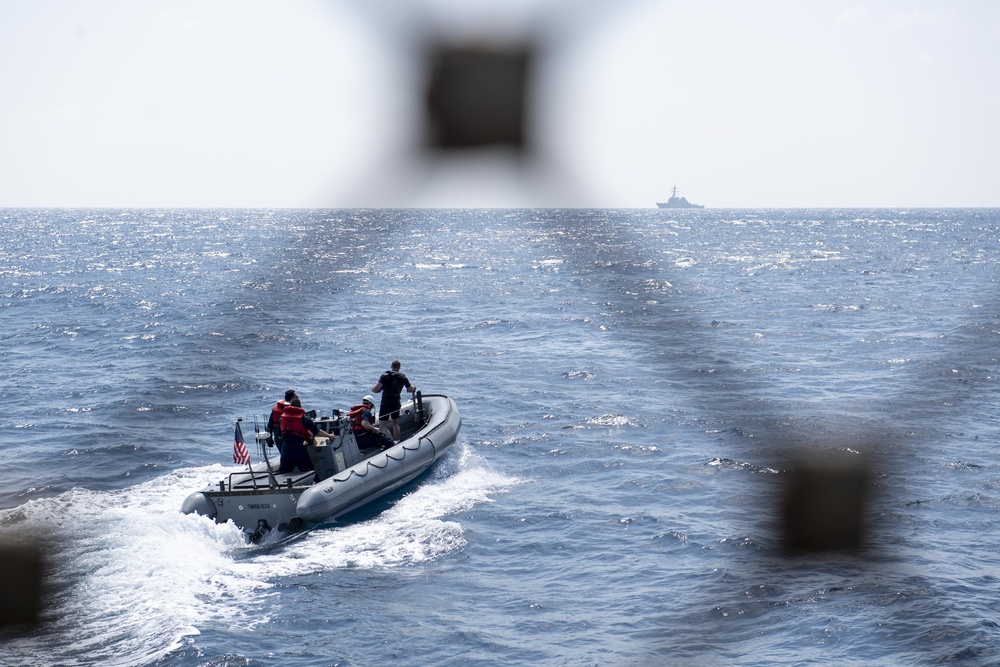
(363, 425)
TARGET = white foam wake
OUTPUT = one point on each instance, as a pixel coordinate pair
(414, 530)
(132, 577)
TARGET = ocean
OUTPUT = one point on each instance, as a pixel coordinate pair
(637, 387)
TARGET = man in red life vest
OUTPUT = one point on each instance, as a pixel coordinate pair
(297, 430)
(366, 432)
(274, 421)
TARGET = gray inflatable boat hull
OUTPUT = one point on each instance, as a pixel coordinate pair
(261, 499)
(387, 471)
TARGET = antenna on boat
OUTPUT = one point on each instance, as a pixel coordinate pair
(256, 433)
(263, 452)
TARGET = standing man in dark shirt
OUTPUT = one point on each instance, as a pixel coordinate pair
(391, 384)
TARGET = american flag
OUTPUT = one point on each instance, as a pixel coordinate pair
(240, 453)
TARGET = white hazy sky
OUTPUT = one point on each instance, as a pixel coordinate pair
(310, 103)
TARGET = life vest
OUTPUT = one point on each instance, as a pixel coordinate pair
(291, 423)
(276, 412)
(354, 414)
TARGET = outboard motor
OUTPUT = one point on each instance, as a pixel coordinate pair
(258, 535)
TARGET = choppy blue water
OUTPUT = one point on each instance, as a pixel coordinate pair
(631, 383)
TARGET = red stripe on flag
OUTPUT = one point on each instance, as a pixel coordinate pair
(240, 453)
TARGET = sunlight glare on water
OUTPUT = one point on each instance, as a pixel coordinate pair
(632, 384)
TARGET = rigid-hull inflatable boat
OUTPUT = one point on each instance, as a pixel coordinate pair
(261, 499)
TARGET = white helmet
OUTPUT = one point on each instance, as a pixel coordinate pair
(368, 399)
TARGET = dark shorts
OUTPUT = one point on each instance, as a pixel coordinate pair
(387, 412)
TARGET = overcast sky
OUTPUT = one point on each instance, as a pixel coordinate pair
(194, 103)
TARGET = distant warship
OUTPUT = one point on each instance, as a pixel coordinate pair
(677, 202)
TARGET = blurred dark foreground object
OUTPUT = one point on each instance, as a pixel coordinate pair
(476, 97)
(21, 566)
(824, 504)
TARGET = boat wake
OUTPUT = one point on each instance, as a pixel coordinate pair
(415, 529)
(131, 577)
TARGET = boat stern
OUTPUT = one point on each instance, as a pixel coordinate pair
(258, 513)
